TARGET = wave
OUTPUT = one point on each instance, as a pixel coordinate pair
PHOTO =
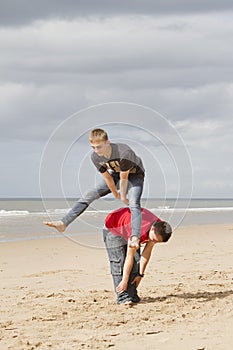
(13, 212)
(56, 211)
(156, 210)
(192, 210)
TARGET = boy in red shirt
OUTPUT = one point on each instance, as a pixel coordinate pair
(126, 263)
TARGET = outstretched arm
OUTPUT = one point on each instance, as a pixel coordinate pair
(127, 269)
(144, 259)
(145, 256)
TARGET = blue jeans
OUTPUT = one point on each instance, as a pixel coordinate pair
(117, 247)
(135, 187)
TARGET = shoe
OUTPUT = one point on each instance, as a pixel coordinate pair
(136, 299)
(127, 303)
(134, 242)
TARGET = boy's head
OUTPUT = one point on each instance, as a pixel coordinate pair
(99, 142)
(98, 135)
(161, 231)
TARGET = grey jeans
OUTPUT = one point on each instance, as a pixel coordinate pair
(116, 248)
(135, 187)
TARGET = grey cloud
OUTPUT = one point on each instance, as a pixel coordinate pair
(84, 51)
(179, 65)
(30, 112)
(14, 12)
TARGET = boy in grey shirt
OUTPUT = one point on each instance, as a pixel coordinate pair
(121, 169)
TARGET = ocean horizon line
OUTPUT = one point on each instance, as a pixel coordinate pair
(112, 199)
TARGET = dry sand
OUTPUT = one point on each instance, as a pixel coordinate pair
(56, 294)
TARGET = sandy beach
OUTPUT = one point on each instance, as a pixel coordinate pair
(57, 294)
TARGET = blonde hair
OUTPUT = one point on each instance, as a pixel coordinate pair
(97, 135)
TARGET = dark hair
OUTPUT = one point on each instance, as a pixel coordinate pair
(163, 229)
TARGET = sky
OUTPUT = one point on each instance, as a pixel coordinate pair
(157, 75)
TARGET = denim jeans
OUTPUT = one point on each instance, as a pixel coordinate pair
(135, 187)
(116, 248)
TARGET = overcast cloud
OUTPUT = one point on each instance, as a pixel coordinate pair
(14, 12)
(58, 57)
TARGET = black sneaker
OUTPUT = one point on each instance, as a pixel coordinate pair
(136, 299)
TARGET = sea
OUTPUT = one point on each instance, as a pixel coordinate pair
(22, 219)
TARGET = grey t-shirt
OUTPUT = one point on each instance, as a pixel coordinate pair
(122, 158)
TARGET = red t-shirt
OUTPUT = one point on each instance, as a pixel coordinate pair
(119, 223)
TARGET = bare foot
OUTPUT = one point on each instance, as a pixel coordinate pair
(59, 225)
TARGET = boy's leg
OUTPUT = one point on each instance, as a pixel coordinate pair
(116, 247)
(81, 205)
(135, 188)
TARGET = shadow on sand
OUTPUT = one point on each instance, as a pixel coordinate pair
(201, 296)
